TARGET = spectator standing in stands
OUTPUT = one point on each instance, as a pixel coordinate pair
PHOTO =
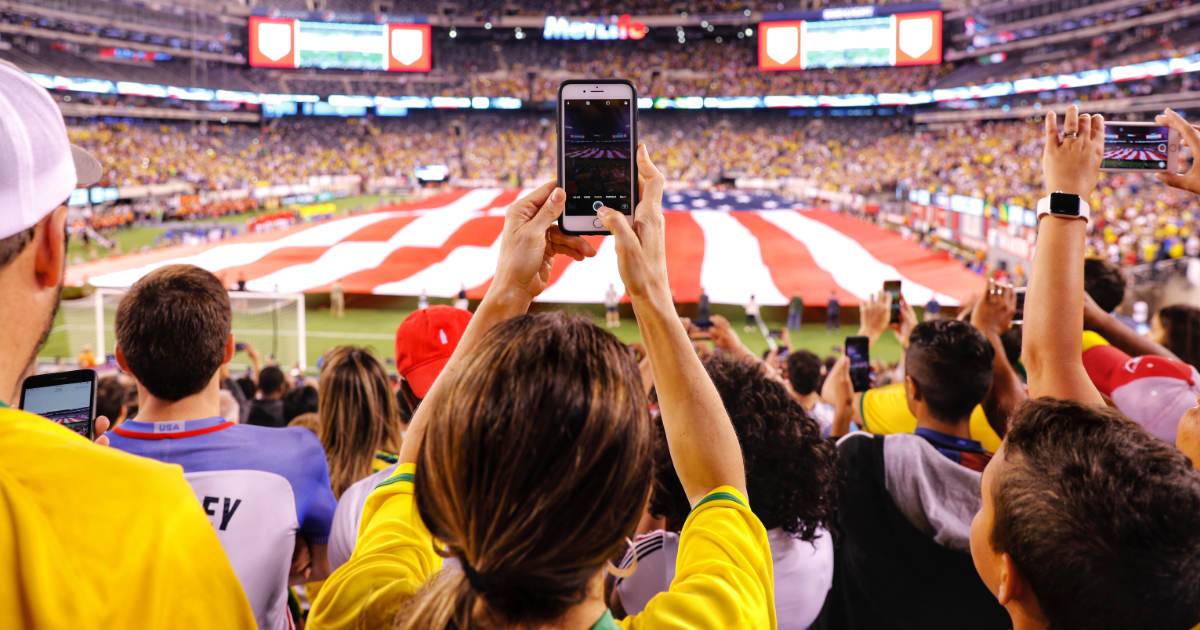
(833, 312)
(907, 499)
(266, 491)
(1177, 327)
(1088, 521)
(751, 313)
(424, 343)
(360, 425)
(422, 300)
(804, 375)
(337, 300)
(795, 315)
(62, 498)
(792, 472)
(612, 308)
(267, 409)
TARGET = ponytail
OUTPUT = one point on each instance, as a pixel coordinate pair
(445, 602)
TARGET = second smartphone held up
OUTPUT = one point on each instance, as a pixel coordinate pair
(1140, 146)
(597, 140)
(858, 351)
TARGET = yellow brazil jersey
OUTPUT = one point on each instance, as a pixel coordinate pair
(92, 537)
(884, 410)
(724, 575)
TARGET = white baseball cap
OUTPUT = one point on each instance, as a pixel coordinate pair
(39, 167)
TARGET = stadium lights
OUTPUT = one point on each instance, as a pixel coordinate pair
(453, 33)
(487, 26)
(749, 31)
(519, 34)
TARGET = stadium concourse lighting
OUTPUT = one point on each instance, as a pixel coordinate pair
(453, 33)
(487, 26)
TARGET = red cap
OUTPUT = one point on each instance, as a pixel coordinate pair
(424, 343)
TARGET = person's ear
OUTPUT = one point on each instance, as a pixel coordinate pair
(121, 360)
(50, 249)
(1012, 583)
(911, 388)
(230, 347)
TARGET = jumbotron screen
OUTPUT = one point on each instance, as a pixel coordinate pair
(292, 43)
(901, 39)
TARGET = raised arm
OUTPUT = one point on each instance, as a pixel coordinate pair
(528, 244)
(993, 316)
(1189, 181)
(704, 447)
(1052, 345)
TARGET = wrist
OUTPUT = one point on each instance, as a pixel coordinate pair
(505, 300)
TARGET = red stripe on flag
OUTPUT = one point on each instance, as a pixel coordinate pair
(685, 255)
(936, 270)
(792, 267)
(274, 261)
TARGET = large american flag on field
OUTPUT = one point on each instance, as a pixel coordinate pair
(450, 240)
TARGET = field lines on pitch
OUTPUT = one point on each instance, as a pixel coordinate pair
(258, 332)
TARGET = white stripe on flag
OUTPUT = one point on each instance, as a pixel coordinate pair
(850, 264)
(587, 281)
(342, 259)
(733, 267)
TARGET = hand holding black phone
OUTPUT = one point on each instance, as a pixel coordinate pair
(892, 287)
(66, 398)
(858, 351)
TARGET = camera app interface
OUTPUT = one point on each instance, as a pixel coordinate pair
(69, 404)
(597, 155)
(1136, 147)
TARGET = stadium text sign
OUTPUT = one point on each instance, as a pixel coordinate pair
(901, 39)
(623, 27)
(291, 43)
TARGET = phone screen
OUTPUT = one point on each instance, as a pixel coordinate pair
(1019, 315)
(1135, 147)
(858, 351)
(68, 404)
(597, 155)
(893, 288)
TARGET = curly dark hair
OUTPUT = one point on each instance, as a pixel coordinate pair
(791, 473)
(1104, 282)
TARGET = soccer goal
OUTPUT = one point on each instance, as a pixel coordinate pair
(272, 322)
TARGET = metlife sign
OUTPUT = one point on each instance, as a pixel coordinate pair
(622, 27)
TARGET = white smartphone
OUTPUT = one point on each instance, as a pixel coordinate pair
(597, 139)
(1140, 146)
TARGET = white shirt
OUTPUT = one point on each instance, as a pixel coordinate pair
(343, 534)
(803, 574)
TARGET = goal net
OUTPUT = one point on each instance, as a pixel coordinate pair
(272, 322)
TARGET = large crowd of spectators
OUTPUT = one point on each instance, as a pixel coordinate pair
(531, 470)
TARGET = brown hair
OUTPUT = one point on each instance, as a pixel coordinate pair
(535, 468)
(1102, 518)
(1181, 322)
(172, 328)
(358, 414)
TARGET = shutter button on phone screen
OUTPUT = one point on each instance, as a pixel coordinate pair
(596, 205)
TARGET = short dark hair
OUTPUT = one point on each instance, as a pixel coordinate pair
(111, 395)
(1102, 518)
(270, 380)
(951, 363)
(1104, 282)
(804, 371)
(172, 328)
(12, 246)
(790, 470)
(299, 401)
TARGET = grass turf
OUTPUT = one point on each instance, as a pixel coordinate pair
(372, 324)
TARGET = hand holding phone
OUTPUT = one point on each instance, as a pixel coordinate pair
(1140, 146)
(66, 398)
(892, 288)
(1019, 315)
(858, 351)
(597, 141)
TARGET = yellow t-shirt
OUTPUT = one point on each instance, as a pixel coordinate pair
(92, 537)
(885, 411)
(724, 577)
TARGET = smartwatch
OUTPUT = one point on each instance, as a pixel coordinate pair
(1063, 205)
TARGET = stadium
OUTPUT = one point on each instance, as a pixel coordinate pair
(832, 174)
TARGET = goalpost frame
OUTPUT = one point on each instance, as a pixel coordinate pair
(301, 331)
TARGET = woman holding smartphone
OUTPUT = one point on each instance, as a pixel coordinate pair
(529, 463)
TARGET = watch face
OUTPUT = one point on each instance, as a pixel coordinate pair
(1064, 203)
